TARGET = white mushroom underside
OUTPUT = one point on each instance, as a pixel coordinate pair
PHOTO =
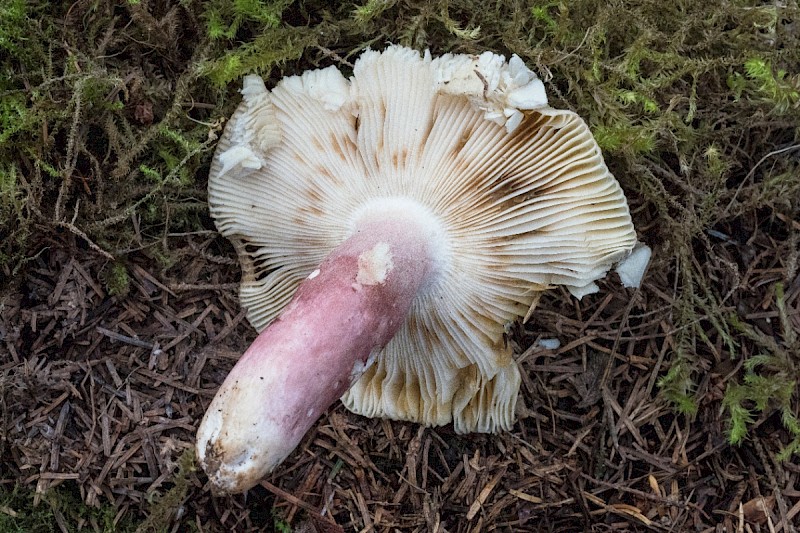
(520, 211)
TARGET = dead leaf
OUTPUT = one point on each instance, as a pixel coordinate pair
(758, 509)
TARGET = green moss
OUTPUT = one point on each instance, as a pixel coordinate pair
(274, 46)
(695, 105)
(677, 385)
(274, 43)
(20, 514)
(14, 20)
(14, 218)
(165, 506)
(625, 137)
(224, 19)
(116, 279)
(280, 525)
(370, 11)
(771, 382)
(776, 86)
(636, 85)
(79, 119)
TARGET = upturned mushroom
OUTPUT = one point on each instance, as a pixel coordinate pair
(389, 227)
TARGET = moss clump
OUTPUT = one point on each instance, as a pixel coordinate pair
(116, 279)
(164, 508)
(83, 111)
(61, 505)
(771, 382)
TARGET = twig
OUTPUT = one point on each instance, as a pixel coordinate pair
(313, 511)
(124, 338)
(66, 178)
(753, 170)
(74, 229)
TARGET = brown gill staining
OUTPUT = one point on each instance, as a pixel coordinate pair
(494, 196)
(309, 243)
(425, 133)
(532, 127)
(467, 380)
(337, 148)
(461, 142)
(342, 145)
(324, 172)
(408, 399)
(398, 157)
(502, 349)
(382, 110)
(313, 211)
(501, 190)
(313, 195)
(412, 322)
(508, 184)
(261, 267)
(535, 120)
(246, 253)
(434, 336)
(306, 215)
(420, 333)
(497, 243)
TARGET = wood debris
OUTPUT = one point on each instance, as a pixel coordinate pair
(103, 393)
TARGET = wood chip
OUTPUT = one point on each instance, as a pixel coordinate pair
(475, 508)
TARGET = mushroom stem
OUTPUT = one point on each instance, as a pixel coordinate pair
(341, 316)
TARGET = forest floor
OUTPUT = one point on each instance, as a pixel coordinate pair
(672, 407)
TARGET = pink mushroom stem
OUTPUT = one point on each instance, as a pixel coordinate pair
(327, 336)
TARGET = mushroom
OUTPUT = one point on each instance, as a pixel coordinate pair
(389, 228)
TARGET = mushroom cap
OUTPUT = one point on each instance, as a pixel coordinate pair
(518, 190)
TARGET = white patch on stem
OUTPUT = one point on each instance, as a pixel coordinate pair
(374, 265)
(314, 274)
